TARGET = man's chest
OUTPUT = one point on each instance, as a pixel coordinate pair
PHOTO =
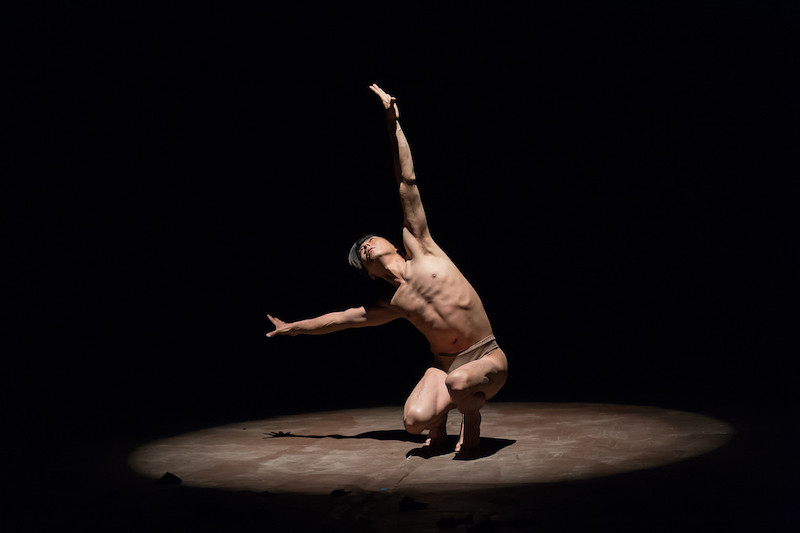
(430, 285)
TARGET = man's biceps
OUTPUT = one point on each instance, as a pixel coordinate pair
(417, 223)
(382, 314)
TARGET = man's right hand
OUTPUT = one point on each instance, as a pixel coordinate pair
(389, 102)
(281, 327)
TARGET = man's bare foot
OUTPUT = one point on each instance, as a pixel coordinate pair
(470, 432)
(437, 436)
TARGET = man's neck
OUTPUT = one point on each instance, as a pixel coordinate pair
(396, 272)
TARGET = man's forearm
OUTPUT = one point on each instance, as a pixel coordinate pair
(401, 152)
(327, 323)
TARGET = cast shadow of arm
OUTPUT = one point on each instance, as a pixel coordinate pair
(488, 446)
(389, 434)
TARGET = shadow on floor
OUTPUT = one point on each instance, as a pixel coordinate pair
(488, 447)
(389, 434)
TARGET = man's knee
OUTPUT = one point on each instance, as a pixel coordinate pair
(416, 418)
(466, 390)
(460, 382)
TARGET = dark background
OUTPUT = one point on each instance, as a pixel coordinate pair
(617, 182)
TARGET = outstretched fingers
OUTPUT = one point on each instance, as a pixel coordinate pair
(277, 323)
(389, 102)
(380, 92)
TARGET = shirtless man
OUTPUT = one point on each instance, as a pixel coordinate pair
(468, 367)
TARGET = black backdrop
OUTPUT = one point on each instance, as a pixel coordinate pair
(613, 179)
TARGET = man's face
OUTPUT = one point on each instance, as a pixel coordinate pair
(374, 248)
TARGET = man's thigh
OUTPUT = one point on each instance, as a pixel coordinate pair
(487, 374)
(430, 390)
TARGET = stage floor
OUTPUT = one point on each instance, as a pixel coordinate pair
(542, 467)
(368, 450)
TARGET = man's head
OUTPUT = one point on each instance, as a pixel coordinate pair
(367, 252)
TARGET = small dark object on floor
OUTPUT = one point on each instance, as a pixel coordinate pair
(339, 492)
(408, 504)
(169, 479)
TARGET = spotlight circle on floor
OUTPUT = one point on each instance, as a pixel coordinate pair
(367, 449)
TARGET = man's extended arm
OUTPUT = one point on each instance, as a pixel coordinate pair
(413, 212)
(355, 317)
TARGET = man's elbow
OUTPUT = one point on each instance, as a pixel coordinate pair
(408, 182)
(352, 318)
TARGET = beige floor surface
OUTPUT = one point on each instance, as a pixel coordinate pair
(367, 449)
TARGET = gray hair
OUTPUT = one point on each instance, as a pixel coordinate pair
(354, 258)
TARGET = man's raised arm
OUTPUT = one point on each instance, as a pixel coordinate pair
(413, 213)
(355, 317)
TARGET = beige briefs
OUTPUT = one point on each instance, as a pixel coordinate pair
(473, 353)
